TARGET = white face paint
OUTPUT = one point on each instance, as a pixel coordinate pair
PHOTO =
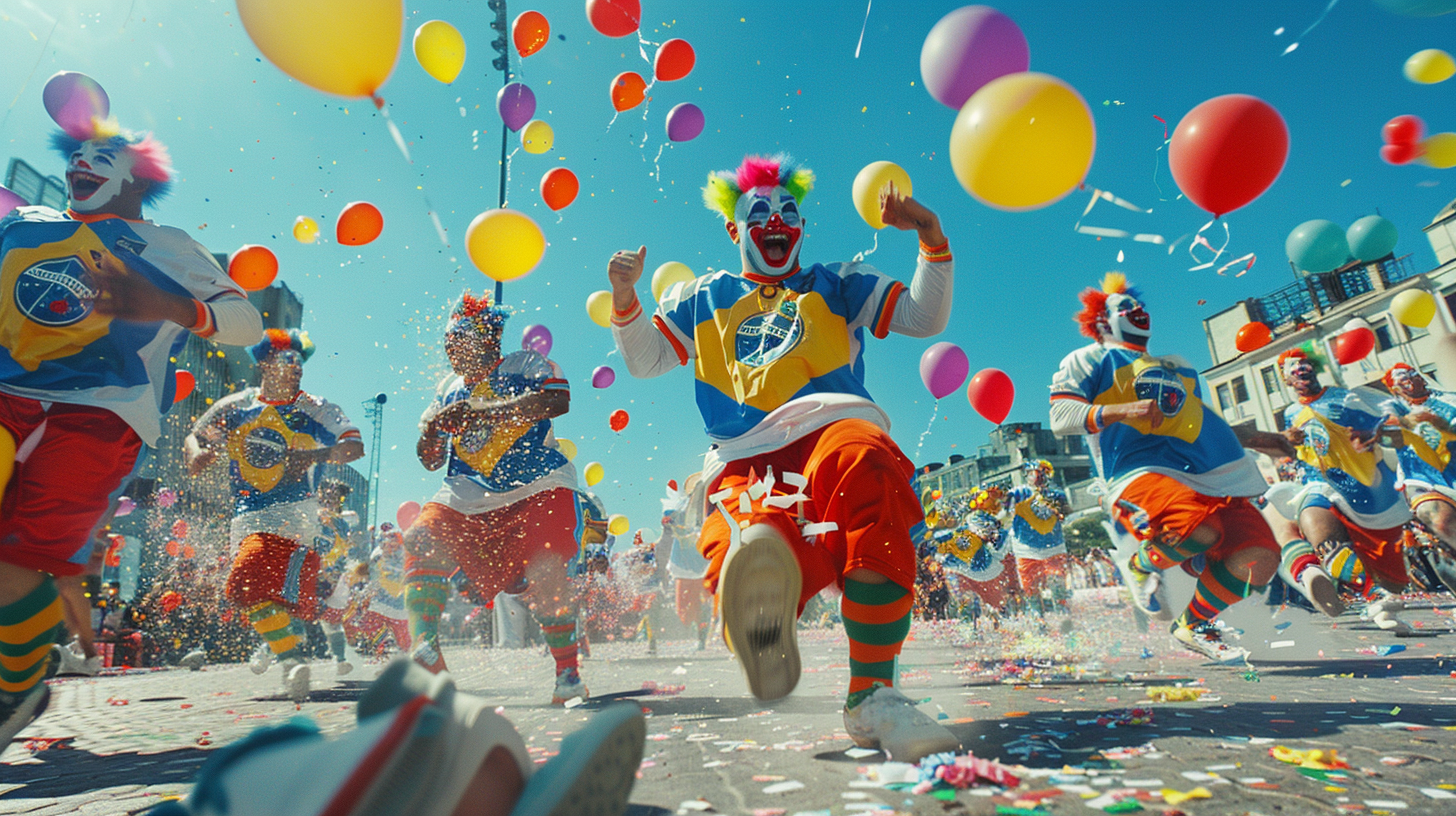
(769, 231)
(95, 174)
(1126, 321)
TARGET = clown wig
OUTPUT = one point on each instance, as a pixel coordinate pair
(153, 162)
(280, 340)
(1094, 302)
(1303, 351)
(479, 312)
(1040, 464)
(725, 187)
(1389, 376)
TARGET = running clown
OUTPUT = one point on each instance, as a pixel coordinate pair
(1426, 467)
(1037, 509)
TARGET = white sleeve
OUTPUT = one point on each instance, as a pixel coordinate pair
(438, 403)
(1070, 417)
(235, 322)
(646, 350)
(924, 311)
(1072, 411)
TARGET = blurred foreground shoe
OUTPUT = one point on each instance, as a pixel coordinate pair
(1381, 612)
(1146, 589)
(889, 721)
(19, 710)
(262, 658)
(758, 591)
(1321, 591)
(295, 679)
(69, 663)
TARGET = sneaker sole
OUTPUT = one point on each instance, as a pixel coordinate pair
(760, 595)
(26, 713)
(595, 771)
(1162, 612)
(1325, 596)
(297, 685)
(1234, 657)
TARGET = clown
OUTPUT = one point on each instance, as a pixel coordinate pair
(337, 528)
(271, 436)
(507, 511)
(97, 304)
(1351, 508)
(1427, 420)
(682, 520)
(971, 544)
(777, 350)
(1037, 509)
(1179, 480)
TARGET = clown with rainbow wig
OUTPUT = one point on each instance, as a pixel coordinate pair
(97, 303)
(808, 487)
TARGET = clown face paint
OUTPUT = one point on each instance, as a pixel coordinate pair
(1409, 384)
(1299, 374)
(96, 173)
(1127, 321)
(769, 231)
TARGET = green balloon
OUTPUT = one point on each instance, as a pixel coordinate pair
(1317, 246)
(1371, 238)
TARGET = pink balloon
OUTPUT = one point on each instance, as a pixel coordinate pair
(603, 376)
(991, 393)
(685, 122)
(968, 48)
(537, 338)
(407, 513)
(9, 201)
(943, 367)
(74, 100)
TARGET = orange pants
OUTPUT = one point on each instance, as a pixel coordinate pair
(1162, 512)
(272, 568)
(993, 593)
(1382, 551)
(692, 597)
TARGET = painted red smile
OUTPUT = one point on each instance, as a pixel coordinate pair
(84, 184)
(775, 242)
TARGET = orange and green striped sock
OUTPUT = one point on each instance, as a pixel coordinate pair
(425, 593)
(560, 634)
(27, 630)
(1217, 590)
(876, 620)
(275, 624)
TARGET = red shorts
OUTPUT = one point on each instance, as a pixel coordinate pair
(77, 459)
(858, 479)
(1164, 511)
(492, 548)
(1033, 572)
(271, 568)
(993, 593)
(1380, 550)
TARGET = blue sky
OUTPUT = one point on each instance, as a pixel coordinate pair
(256, 149)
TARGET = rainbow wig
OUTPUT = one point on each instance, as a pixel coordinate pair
(1303, 351)
(725, 187)
(1389, 377)
(478, 312)
(279, 340)
(153, 162)
(1094, 301)
(1039, 464)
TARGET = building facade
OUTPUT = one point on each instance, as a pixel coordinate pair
(1000, 460)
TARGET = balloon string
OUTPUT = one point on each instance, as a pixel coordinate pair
(1317, 21)
(861, 256)
(1200, 240)
(393, 130)
(435, 219)
(931, 424)
(862, 28)
(657, 162)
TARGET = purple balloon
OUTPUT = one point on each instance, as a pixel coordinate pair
(684, 122)
(943, 368)
(73, 100)
(9, 201)
(968, 48)
(517, 104)
(603, 376)
(537, 338)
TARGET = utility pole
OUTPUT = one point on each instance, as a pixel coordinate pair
(501, 63)
(374, 410)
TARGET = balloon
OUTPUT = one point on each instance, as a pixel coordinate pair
(344, 47)
(603, 376)
(504, 244)
(1418, 8)
(440, 50)
(1439, 150)
(559, 188)
(185, 383)
(359, 223)
(567, 448)
(991, 394)
(599, 308)
(305, 230)
(684, 122)
(1022, 141)
(1371, 238)
(1317, 246)
(537, 137)
(614, 18)
(1414, 307)
(169, 601)
(1353, 346)
(593, 473)
(618, 420)
(944, 368)
(1429, 66)
(669, 275)
(870, 182)
(967, 49)
(674, 60)
(1403, 153)
(75, 101)
(407, 513)
(1253, 336)
(530, 32)
(516, 104)
(628, 90)
(537, 338)
(124, 506)
(253, 267)
(1227, 151)
(618, 524)
(9, 201)
(1403, 130)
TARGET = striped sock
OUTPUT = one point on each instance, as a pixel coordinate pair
(425, 594)
(275, 624)
(876, 620)
(27, 630)
(560, 636)
(1297, 556)
(1153, 555)
(1217, 590)
(337, 641)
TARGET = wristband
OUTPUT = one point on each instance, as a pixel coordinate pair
(936, 254)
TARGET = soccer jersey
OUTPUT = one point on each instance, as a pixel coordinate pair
(54, 347)
(1359, 483)
(335, 539)
(492, 467)
(1424, 460)
(976, 548)
(1036, 523)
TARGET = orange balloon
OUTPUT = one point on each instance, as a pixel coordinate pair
(674, 60)
(359, 223)
(185, 383)
(174, 548)
(618, 420)
(559, 188)
(628, 90)
(530, 32)
(253, 267)
(1252, 336)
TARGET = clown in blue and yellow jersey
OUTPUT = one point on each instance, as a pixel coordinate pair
(969, 539)
(1036, 510)
(1426, 418)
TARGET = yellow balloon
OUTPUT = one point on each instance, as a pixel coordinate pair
(537, 137)
(1440, 150)
(1022, 141)
(1429, 66)
(599, 308)
(870, 182)
(618, 524)
(344, 47)
(504, 244)
(305, 229)
(567, 448)
(593, 473)
(668, 275)
(1414, 307)
(440, 50)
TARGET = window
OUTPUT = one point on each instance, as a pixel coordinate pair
(1382, 338)
(1241, 391)
(1224, 401)
(1271, 379)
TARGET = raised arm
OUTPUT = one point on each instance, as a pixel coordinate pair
(924, 311)
(644, 347)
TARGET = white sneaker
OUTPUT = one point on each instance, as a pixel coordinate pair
(70, 663)
(889, 721)
(1321, 591)
(1146, 589)
(569, 686)
(295, 679)
(759, 593)
(1206, 638)
(262, 658)
(1381, 612)
(342, 667)
(193, 660)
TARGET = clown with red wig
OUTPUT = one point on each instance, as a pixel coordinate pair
(1426, 459)
(807, 485)
(97, 303)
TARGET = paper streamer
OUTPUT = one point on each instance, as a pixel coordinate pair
(862, 28)
(1317, 21)
(1106, 232)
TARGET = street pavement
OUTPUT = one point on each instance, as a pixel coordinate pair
(1028, 693)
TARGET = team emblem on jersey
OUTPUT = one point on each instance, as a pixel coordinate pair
(264, 447)
(259, 448)
(1164, 387)
(1317, 438)
(55, 293)
(766, 337)
(474, 440)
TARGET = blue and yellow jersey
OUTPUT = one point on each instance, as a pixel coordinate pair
(975, 548)
(1425, 458)
(1359, 481)
(54, 347)
(1036, 522)
(335, 538)
(758, 346)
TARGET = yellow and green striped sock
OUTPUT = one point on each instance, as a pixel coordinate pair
(27, 631)
(275, 624)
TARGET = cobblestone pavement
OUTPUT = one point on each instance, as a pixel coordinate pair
(117, 744)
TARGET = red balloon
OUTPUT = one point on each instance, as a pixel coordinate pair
(559, 187)
(359, 223)
(614, 18)
(1354, 346)
(628, 90)
(253, 267)
(618, 420)
(1253, 336)
(1227, 151)
(1402, 130)
(1404, 153)
(674, 60)
(530, 32)
(672, 484)
(185, 383)
(991, 393)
